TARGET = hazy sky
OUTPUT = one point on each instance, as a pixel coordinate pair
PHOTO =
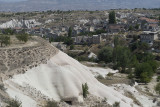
(12, 0)
(42, 5)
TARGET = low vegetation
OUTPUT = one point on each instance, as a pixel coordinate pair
(2, 87)
(157, 88)
(116, 104)
(51, 104)
(85, 90)
(14, 103)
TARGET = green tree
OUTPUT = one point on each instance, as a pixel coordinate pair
(157, 88)
(4, 39)
(137, 26)
(121, 57)
(70, 32)
(85, 90)
(68, 41)
(71, 47)
(8, 31)
(116, 41)
(144, 72)
(105, 54)
(112, 17)
(130, 28)
(153, 64)
(144, 77)
(22, 37)
(51, 39)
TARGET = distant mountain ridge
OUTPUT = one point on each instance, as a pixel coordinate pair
(42, 5)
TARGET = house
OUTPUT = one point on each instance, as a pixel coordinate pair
(115, 28)
(153, 27)
(91, 29)
(149, 37)
(149, 24)
(95, 39)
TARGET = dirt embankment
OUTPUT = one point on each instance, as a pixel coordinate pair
(19, 59)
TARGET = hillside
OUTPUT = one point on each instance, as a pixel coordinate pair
(39, 72)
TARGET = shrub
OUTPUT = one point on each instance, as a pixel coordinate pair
(116, 104)
(158, 79)
(2, 87)
(85, 90)
(71, 47)
(51, 104)
(14, 103)
(100, 77)
(157, 88)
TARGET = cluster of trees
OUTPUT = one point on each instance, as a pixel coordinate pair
(125, 58)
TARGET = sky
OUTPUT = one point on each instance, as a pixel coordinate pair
(12, 0)
(42, 5)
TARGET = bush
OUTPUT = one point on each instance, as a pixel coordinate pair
(85, 90)
(158, 79)
(2, 87)
(130, 75)
(100, 77)
(116, 104)
(14, 103)
(157, 88)
(71, 47)
(51, 104)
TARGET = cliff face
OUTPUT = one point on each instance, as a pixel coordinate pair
(18, 60)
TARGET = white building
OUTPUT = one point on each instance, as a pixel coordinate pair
(149, 37)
